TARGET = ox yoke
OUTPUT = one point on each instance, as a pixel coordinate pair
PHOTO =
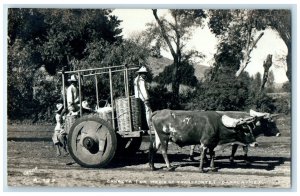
(192, 127)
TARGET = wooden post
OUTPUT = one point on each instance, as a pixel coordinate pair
(112, 99)
(128, 98)
(80, 99)
(125, 82)
(63, 90)
(97, 96)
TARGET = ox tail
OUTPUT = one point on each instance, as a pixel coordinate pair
(152, 150)
(152, 128)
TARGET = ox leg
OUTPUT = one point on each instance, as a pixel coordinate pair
(203, 154)
(205, 157)
(153, 147)
(164, 150)
(246, 158)
(191, 156)
(152, 152)
(212, 160)
(233, 151)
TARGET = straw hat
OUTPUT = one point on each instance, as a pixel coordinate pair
(59, 106)
(85, 105)
(143, 69)
(72, 79)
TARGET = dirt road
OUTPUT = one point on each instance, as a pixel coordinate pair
(31, 161)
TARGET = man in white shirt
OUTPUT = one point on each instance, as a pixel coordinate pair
(140, 91)
(72, 95)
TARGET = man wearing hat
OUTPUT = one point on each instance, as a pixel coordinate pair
(140, 91)
(72, 95)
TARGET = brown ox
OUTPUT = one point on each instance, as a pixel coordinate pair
(263, 125)
(197, 127)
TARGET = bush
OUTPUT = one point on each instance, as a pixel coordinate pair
(225, 92)
(282, 105)
(160, 98)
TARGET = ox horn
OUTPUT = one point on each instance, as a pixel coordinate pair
(253, 113)
(274, 115)
(246, 120)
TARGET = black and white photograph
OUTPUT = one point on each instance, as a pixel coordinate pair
(188, 97)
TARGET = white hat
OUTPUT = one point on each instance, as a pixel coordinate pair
(72, 79)
(59, 106)
(85, 105)
(143, 69)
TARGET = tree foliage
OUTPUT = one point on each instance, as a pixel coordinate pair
(43, 41)
(173, 34)
(54, 38)
(286, 87)
(225, 92)
(236, 30)
(270, 83)
(239, 28)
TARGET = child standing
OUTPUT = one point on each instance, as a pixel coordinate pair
(58, 137)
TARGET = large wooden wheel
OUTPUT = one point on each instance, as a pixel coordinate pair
(92, 142)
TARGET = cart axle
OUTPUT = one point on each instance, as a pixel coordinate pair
(89, 143)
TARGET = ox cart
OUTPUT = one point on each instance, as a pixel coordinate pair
(93, 139)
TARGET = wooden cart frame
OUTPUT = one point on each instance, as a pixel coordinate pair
(92, 141)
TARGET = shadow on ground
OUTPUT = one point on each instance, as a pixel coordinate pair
(182, 160)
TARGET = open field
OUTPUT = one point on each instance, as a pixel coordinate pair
(31, 162)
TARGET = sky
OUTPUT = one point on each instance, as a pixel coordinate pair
(204, 41)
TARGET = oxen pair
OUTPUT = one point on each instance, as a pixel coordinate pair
(264, 124)
(207, 128)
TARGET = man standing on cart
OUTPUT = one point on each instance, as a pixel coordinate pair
(72, 95)
(140, 91)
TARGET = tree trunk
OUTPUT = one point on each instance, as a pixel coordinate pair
(267, 65)
(246, 59)
(176, 57)
(175, 82)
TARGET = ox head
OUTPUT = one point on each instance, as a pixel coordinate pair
(243, 129)
(265, 124)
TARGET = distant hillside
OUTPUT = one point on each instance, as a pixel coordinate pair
(200, 71)
(157, 65)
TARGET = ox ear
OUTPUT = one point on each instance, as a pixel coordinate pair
(252, 112)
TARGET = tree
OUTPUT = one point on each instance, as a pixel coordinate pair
(241, 26)
(279, 20)
(71, 31)
(256, 82)
(236, 31)
(267, 64)
(225, 92)
(54, 38)
(19, 80)
(270, 82)
(286, 87)
(174, 34)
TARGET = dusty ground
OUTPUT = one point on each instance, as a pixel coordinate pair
(31, 161)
